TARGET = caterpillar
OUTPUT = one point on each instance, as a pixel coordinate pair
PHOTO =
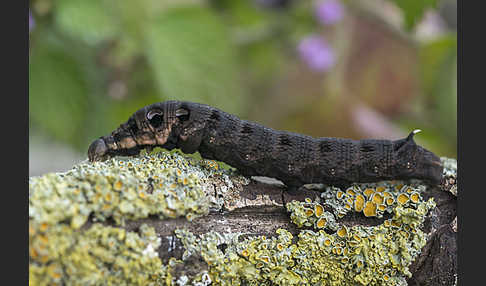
(255, 150)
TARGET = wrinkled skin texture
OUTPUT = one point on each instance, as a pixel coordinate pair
(255, 150)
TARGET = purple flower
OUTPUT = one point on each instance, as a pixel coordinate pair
(31, 22)
(329, 12)
(316, 53)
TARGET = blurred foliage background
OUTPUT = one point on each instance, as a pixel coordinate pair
(326, 68)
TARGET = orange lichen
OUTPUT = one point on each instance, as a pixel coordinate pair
(43, 227)
(359, 203)
(327, 242)
(118, 185)
(368, 192)
(338, 250)
(380, 189)
(402, 199)
(415, 197)
(339, 194)
(396, 223)
(350, 192)
(377, 199)
(345, 251)
(265, 259)
(369, 209)
(342, 232)
(309, 212)
(321, 222)
(318, 210)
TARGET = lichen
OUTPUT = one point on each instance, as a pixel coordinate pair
(101, 255)
(168, 185)
(164, 184)
(450, 174)
(354, 255)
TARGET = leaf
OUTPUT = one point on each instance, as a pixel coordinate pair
(433, 56)
(89, 20)
(438, 61)
(191, 55)
(413, 10)
(57, 91)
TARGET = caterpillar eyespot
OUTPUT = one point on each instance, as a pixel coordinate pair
(256, 150)
(155, 118)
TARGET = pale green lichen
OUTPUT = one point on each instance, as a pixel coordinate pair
(165, 184)
(101, 255)
(450, 173)
(450, 166)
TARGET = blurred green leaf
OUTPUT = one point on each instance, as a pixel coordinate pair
(57, 91)
(190, 52)
(413, 10)
(89, 20)
(438, 60)
(435, 58)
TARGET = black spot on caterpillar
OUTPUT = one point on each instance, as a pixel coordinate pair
(256, 150)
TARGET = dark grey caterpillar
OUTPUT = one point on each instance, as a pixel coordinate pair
(256, 150)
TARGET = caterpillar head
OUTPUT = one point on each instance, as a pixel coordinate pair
(416, 162)
(148, 127)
